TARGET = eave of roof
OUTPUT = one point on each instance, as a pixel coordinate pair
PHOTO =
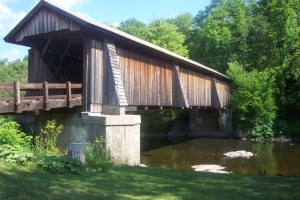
(111, 31)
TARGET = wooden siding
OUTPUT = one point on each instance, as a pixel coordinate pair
(179, 91)
(198, 87)
(224, 92)
(45, 21)
(92, 76)
(38, 70)
(115, 72)
(147, 82)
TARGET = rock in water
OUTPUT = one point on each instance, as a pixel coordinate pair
(235, 154)
(210, 168)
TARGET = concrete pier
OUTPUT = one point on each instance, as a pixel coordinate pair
(121, 132)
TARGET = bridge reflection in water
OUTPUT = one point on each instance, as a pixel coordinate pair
(272, 158)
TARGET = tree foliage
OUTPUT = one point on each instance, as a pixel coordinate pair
(13, 71)
(253, 100)
(165, 35)
(169, 34)
(134, 27)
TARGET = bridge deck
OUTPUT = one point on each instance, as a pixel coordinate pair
(18, 103)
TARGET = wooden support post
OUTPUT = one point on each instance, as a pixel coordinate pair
(46, 96)
(69, 94)
(17, 97)
(46, 47)
(179, 89)
(66, 51)
(215, 97)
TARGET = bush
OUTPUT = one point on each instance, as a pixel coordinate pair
(61, 164)
(253, 100)
(47, 139)
(97, 158)
(10, 133)
(15, 154)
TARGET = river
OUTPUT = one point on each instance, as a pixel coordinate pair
(277, 158)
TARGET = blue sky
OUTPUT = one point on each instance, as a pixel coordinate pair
(105, 11)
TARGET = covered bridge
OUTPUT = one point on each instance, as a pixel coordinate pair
(112, 72)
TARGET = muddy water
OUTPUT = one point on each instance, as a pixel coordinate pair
(272, 158)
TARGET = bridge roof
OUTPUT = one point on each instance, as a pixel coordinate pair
(97, 26)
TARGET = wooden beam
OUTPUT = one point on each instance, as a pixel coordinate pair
(130, 108)
(116, 72)
(17, 97)
(215, 98)
(66, 51)
(46, 47)
(179, 87)
(69, 94)
(46, 96)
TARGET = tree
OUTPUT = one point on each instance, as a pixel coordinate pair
(13, 71)
(165, 35)
(135, 28)
(220, 33)
(253, 100)
(183, 22)
(283, 17)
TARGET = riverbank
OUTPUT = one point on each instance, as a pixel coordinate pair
(143, 183)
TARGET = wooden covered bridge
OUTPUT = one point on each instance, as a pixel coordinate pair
(74, 61)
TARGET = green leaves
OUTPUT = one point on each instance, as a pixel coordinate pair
(46, 141)
(168, 34)
(97, 157)
(15, 154)
(253, 100)
(10, 133)
(165, 35)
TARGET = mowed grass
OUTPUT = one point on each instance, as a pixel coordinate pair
(143, 183)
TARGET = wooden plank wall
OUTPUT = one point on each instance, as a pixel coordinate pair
(92, 76)
(147, 81)
(223, 91)
(45, 21)
(198, 87)
(38, 70)
(151, 82)
(115, 72)
(179, 90)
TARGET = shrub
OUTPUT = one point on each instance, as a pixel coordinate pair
(10, 133)
(61, 164)
(253, 100)
(47, 139)
(15, 154)
(97, 158)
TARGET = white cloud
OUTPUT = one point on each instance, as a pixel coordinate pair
(11, 55)
(67, 4)
(8, 17)
(85, 16)
(115, 24)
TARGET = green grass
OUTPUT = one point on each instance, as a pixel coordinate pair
(143, 183)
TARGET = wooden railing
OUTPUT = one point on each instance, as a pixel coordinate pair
(18, 103)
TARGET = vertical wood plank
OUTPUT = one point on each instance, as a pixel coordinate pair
(17, 97)
(69, 94)
(46, 96)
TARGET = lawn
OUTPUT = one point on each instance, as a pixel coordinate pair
(143, 183)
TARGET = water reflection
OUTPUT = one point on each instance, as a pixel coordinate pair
(272, 158)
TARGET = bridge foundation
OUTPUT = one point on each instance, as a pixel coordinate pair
(121, 132)
(122, 135)
(208, 123)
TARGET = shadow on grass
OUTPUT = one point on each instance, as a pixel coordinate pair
(144, 183)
